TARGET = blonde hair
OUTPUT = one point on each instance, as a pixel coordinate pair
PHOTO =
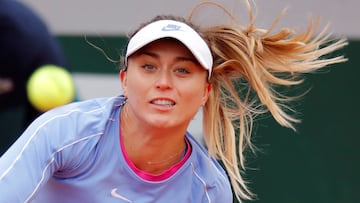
(250, 61)
(258, 60)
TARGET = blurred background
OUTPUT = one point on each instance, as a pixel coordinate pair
(318, 163)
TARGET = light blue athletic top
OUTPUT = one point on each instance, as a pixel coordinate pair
(73, 154)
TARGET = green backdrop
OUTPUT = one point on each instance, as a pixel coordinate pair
(319, 163)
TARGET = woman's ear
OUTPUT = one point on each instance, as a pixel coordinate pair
(207, 92)
(123, 78)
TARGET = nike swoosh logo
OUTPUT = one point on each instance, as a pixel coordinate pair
(115, 194)
(171, 27)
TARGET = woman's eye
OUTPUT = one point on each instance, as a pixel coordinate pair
(148, 67)
(182, 70)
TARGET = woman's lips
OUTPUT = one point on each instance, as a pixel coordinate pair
(163, 102)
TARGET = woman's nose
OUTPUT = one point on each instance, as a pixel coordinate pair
(164, 80)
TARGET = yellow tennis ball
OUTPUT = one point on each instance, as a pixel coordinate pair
(50, 86)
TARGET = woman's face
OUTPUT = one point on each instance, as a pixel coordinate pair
(164, 84)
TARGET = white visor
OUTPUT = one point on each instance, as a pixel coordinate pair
(173, 29)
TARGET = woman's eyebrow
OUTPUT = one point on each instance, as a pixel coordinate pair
(151, 54)
(187, 58)
(178, 58)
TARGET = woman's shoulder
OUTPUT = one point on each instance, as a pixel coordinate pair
(209, 173)
(95, 106)
(92, 114)
(204, 163)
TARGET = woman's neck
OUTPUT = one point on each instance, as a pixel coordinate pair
(150, 149)
(152, 155)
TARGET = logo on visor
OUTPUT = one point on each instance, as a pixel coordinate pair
(172, 27)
